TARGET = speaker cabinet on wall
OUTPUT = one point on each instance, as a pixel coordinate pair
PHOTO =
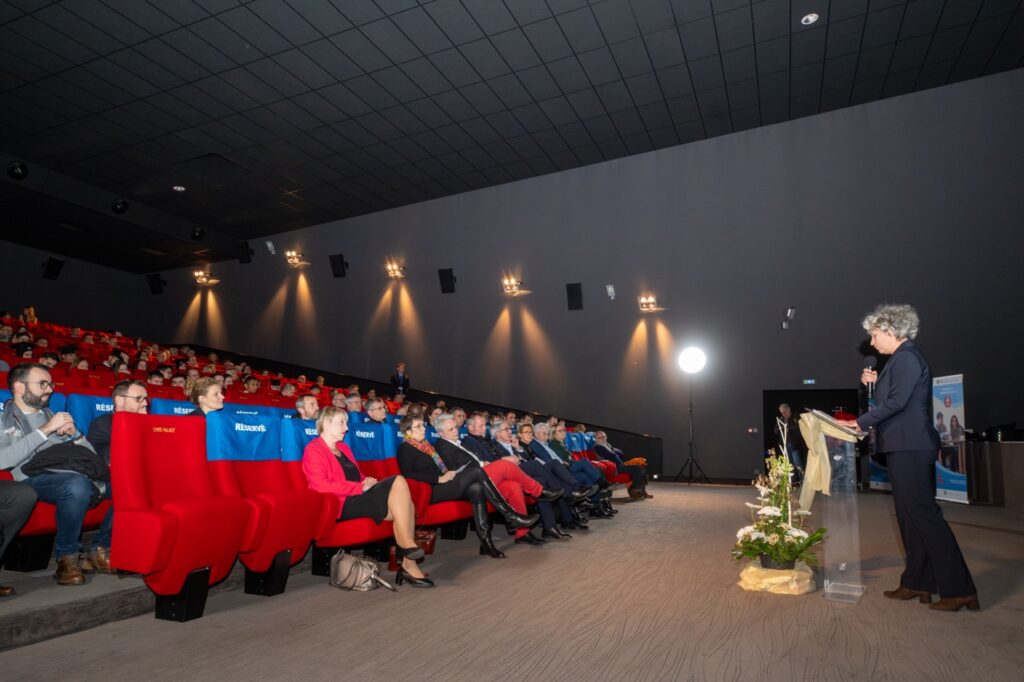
(52, 268)
(244, 253)
(574, 295)
(447, 278)
(338, 265)
(156, 284)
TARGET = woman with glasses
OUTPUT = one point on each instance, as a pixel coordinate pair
(330, 467)
(419, 461)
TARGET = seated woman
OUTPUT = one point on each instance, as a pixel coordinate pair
(207, 395)
(418, 460)
(330, 467)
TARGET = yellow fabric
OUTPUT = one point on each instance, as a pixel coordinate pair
(818, 471)
(799, 580)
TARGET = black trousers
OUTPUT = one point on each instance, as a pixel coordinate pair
(461, 487)
(934, 560)
(17, 499)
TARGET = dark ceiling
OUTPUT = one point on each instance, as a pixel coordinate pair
(278, 114)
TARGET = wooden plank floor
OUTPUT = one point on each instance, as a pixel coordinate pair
(650, 595)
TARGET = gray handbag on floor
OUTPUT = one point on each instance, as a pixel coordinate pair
(356, 574)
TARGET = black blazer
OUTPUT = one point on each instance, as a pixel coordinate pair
(99, 435)
(417, 466)
(399, 384)
(902, 415)
(480, 447)
(454, 457)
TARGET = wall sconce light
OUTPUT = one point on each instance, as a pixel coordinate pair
(511, 285)
(204, 279)
(788, 316)
(395, 271)
(649, 304)
(295, 259)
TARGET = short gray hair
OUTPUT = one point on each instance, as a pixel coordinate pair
(899, 318)
(541, 426)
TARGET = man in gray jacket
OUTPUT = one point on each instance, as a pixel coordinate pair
(27, 428)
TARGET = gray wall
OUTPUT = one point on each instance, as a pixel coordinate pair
(915, 199)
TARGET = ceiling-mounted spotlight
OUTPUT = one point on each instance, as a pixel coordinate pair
(17, 170)
(809, 19)
(119, 206)
(511, 285)
(295, 259)
(198, 233)
(649, 304)
(204, 278)
(394, 270)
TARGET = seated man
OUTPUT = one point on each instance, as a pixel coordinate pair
(581, 470)
(637, 474)
(487, 450)
(129, 396)
(155, 378)
(354, 406)
(288, 391)
(307, 407)
(376, 411)
(28, 430)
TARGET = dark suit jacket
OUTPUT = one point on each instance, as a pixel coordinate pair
(99, 435)
(454, 457)
(540, 453)
(902, 413)
(399, 384)
(481, 448)
(417, 466)
(613, 455)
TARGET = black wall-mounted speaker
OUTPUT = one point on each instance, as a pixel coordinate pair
(338, 265)
(52, 268)
(244, 253)
(447, 278)
(574, 295)
(156, 283)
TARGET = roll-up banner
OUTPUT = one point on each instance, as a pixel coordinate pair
(948, 416)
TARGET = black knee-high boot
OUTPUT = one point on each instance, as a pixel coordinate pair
(482, 521)
(512, 517)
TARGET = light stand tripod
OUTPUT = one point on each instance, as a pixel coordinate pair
(691, 462)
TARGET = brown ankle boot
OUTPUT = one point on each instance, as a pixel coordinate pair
(69, 572)
(97, 560)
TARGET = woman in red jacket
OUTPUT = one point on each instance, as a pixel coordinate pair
(331, 468)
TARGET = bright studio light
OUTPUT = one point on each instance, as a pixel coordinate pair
(692, 360)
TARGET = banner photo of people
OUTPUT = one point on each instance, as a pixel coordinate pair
(948, 413)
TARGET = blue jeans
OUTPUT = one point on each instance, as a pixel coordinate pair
(71, 493)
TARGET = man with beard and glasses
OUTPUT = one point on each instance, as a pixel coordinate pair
(63, 467)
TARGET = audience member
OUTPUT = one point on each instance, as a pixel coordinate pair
(399, 380)
(307, 407)
(419, 461)
(637, 474)
(330, 467)
(17, 500)
(207, 395)
(49, 452)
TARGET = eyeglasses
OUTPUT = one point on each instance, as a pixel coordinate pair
(138, 398)
(43, 384)
(417, 426)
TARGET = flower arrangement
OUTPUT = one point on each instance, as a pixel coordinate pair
(777, 535)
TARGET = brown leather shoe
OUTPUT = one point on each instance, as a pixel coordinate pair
(957, 603)
(97, 560)
(69, 572)
(6, 590)
(905, 593)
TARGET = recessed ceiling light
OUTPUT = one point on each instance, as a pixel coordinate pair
(178, 188)
(809, 19)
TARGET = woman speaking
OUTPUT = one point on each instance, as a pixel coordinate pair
(905, 432)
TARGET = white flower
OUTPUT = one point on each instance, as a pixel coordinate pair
(796, 533)
(752, 505)
(746, 530)
(763, 490)
(773, 539)
(769, 511)
(758, 535)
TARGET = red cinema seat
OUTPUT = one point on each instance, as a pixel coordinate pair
(285, 519)
(169, 525)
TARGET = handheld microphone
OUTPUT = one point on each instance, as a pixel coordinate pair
(869, 363)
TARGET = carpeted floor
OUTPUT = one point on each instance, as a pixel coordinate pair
(650, 595)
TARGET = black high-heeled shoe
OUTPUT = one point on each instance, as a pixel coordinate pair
(403, 576)
(415, 553)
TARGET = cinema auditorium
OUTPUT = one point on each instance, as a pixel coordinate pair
(511, 339)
